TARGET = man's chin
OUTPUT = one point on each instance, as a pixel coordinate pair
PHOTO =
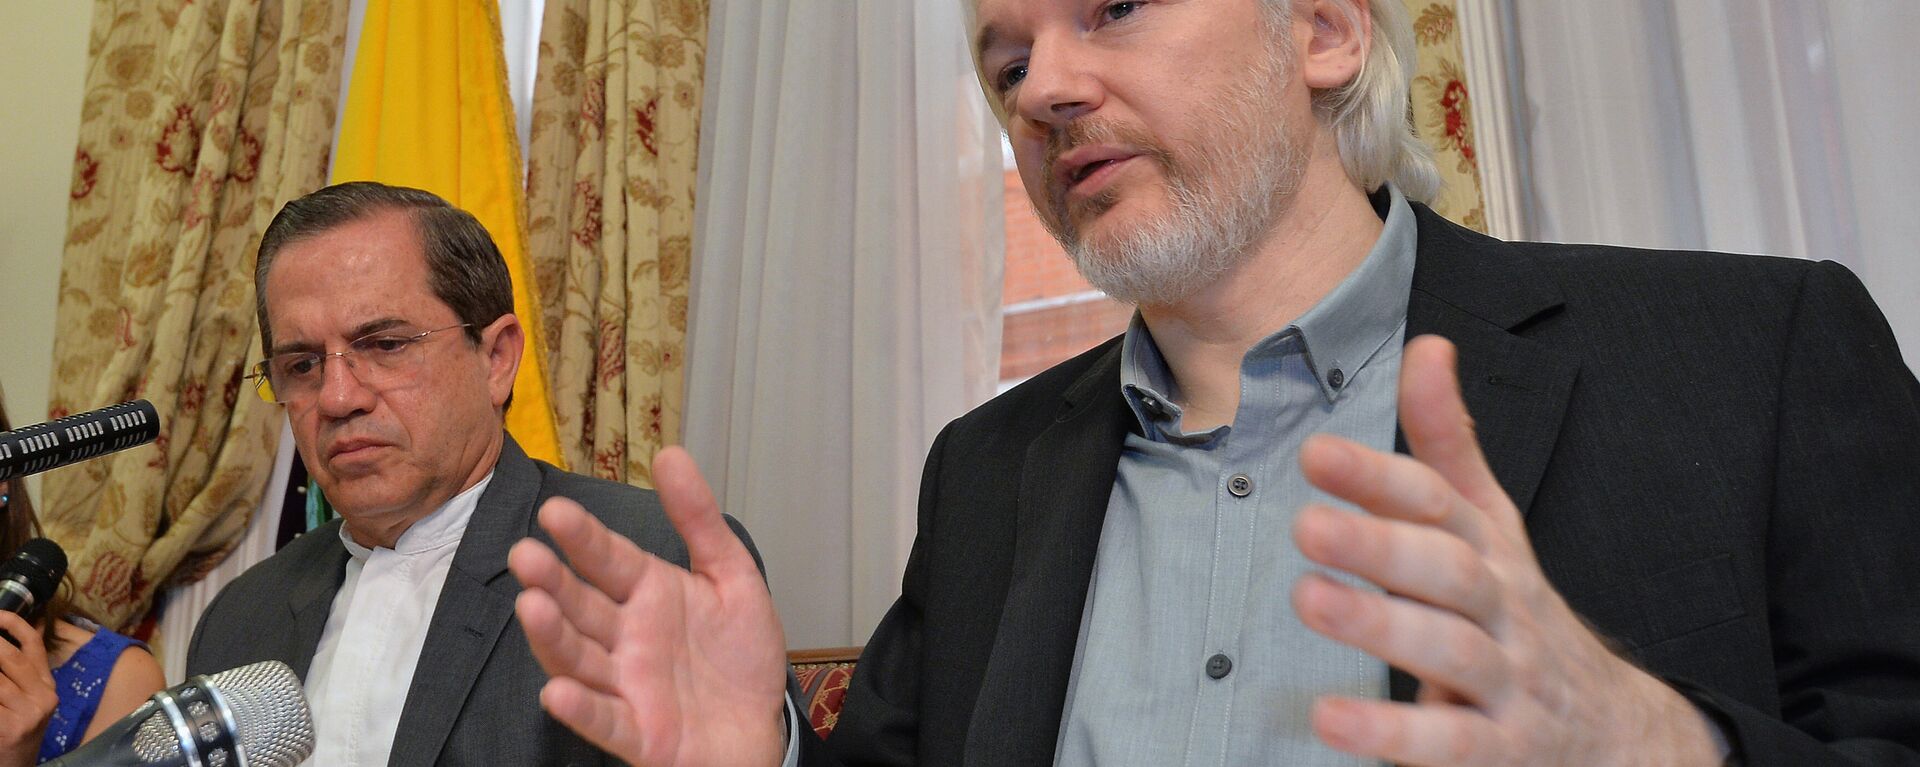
(1105, 238)
(1106, 219)
(1146, 268)
(1090, 212)
(368, 495)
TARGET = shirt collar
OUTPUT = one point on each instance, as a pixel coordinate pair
(445, 525)
(1340, 334)
(1146, 381)
(1367, 309)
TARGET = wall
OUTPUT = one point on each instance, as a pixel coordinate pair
(1050, 313)
(43, 59)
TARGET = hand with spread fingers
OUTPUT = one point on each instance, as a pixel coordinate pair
(1509, 674)
(656, 664)
(27, 696)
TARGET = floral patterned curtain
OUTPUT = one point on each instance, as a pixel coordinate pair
(1441, 111)
(200, 119)
(610, 184)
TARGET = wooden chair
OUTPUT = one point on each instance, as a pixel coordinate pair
(823, 675)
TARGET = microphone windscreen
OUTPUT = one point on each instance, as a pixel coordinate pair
(75, 438)
(270, 708)
(271, 720)
(42, 563)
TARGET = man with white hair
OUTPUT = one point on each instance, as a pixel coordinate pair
(1680, 535)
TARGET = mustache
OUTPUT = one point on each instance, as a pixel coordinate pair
(1086, 131)
(354, 432)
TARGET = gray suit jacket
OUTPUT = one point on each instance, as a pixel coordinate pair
(475, 694)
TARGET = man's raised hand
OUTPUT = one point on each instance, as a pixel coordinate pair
(1509, 674)
(657, 665)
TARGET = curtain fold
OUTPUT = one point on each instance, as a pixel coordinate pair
(199, 121)
(1442, 111)
(1772, 126)
(848, 242)
(610, 194)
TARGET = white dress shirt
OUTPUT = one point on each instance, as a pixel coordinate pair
(366, 656)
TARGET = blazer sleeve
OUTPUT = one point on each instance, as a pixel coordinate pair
(1843, 545)
(201, 657)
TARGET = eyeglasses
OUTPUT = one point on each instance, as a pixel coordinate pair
(375, 360)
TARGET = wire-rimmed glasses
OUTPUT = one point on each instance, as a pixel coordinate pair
(375, 359)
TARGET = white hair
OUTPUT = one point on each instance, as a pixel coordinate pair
(1371, 116)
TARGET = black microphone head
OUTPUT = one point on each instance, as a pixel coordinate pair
(39, 565)
(75, 438)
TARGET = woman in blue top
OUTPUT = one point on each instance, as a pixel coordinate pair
(77, 680)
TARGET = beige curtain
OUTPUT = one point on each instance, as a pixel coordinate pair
(200, 119)
(610, 183)
(1441, 111)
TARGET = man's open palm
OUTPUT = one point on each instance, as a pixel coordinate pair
(658, 665)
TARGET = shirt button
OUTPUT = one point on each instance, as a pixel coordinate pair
(1336, 379)
(1219, 665)
(1240, 485)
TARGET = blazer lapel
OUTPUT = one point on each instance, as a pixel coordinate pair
(1482, 294)
(474, 608)
(1064, 488)
(311, 601)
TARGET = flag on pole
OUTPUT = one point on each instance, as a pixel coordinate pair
(428, 107)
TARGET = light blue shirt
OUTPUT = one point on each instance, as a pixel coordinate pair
(1190, 652)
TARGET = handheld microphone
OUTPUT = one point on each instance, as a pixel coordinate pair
(29, 579)
(252, 716)
(75, 438)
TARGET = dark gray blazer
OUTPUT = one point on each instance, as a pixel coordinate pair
(1718, 458)
(475, 694)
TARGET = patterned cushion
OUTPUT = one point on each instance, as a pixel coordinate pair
(823, 677)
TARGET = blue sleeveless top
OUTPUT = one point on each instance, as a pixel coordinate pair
(80, 681)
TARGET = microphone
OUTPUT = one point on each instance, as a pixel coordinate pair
(75, 438)
(28, 580)
(251, 716)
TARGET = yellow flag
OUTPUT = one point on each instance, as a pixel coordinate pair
(428, 108)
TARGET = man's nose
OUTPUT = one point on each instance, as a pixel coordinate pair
(1061, 83)
(341, 392)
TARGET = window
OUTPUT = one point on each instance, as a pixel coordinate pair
(1047, 312)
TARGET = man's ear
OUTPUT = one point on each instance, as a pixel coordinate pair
(1342, 37)
(501, 344)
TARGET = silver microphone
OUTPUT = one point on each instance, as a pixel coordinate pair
(252, 716)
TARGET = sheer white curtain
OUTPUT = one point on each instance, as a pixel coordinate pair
(185, 604)
(846, 285)
(1764, 126)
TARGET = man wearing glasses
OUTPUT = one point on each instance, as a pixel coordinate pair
(387, 319)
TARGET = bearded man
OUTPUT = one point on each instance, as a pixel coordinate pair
(1681, 535)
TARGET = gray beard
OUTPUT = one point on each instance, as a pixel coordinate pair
(1225, 197)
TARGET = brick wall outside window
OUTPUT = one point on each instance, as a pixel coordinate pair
(1049, 314)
